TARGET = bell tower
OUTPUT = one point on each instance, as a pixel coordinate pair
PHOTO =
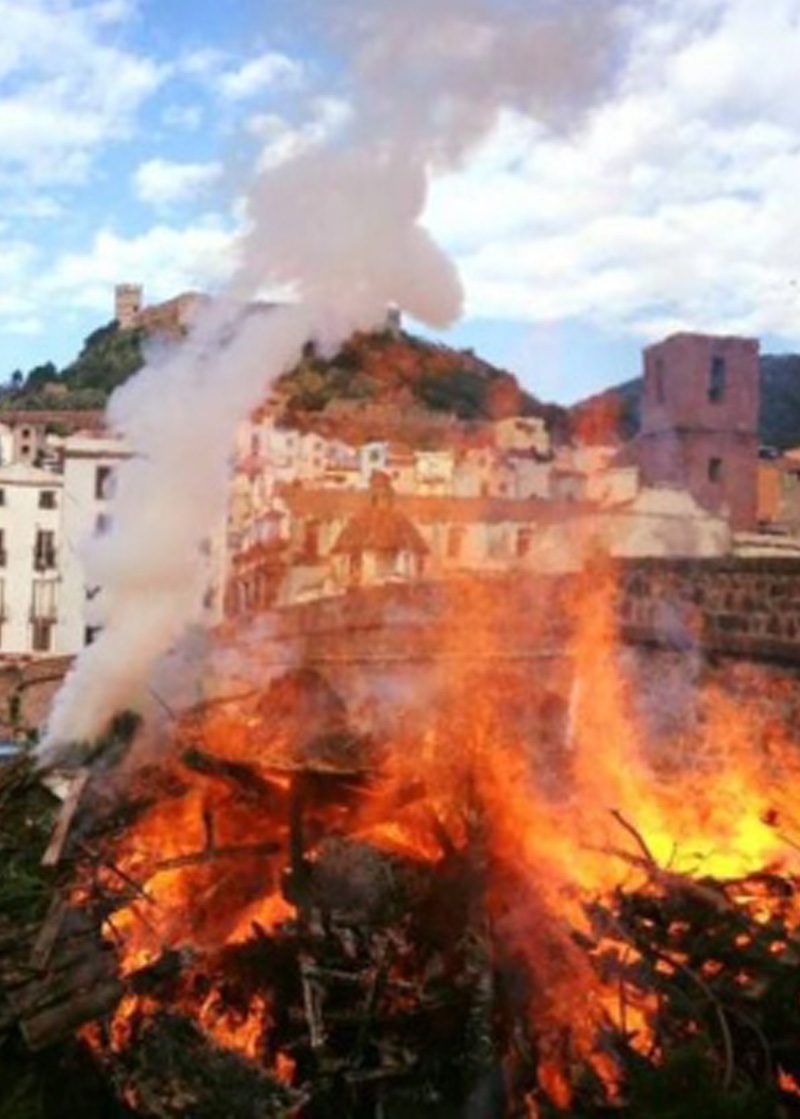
(699, 426)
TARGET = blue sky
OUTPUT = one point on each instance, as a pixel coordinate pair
(131, 129)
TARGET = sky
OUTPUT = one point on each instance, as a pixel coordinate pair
(130, 131)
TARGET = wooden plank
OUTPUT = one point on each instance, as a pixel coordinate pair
(55, 847)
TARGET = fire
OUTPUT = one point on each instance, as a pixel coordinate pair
(205, 867)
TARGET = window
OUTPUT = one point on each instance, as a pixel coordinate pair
(716, 384)
(524, 539)
(42, 635)
(3, 556)
(90, 634)
(715, 470)
(44, 600)
(44, 550)
(102, 482)
(47, 499)
(102, 523)
(2, 497)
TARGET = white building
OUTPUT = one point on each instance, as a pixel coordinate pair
(31, 504)
(522, 433)
(89, 464)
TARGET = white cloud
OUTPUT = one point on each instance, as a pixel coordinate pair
(271, 70)
(78, 286)
(166, 259)
(64, 91)
(163, 183)
(675, 204)
(283, 140)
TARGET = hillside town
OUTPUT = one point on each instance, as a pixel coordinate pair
(311, 516)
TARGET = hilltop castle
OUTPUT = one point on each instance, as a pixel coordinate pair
(172, 317)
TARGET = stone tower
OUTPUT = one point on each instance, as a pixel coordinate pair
(127, 304)
(699, 426)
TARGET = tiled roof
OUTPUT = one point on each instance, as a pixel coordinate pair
(379, 528)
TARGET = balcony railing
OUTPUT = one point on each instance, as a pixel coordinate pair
(44, 613)
(44, 559)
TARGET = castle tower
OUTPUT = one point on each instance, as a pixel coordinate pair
(699, 426)
(127, 304)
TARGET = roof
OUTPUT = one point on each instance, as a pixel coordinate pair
(379, 528)
(86, 419)
(23, 474)
(331, 505)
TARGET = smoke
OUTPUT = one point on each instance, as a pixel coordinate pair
(339, 228)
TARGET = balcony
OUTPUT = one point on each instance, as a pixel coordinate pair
(44, 559)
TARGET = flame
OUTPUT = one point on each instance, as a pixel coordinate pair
(622, 810)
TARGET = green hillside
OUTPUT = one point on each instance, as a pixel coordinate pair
(362, 392)
(108, 357)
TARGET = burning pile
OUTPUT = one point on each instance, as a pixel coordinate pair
(298, 919)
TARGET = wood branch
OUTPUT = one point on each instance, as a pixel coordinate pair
(245, 778)
(637, 836)
(48, 934)
(376, 987)
(98, 964)
(210, 855)
(55, 847)
(669, 879)
(55, 1023)
(311, 1004)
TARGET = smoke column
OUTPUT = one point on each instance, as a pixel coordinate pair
(340, 228)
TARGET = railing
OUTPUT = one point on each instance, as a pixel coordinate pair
(44, 558)
(43, 614)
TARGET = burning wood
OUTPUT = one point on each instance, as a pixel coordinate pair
(251, 933)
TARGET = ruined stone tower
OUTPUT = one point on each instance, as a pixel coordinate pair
(127, 304)
(699, 426)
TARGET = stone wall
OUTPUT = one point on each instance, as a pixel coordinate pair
(744, 606)
(27, 688)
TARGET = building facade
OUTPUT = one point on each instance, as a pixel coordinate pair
(699, 422)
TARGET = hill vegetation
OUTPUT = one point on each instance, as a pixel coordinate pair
(395, 385)
(379, 385)
(109, 356)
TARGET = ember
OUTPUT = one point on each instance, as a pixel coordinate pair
(454, 920)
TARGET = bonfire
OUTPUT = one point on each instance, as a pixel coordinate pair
(523, 907)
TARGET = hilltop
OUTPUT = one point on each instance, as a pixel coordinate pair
(391, 384)
(108, 357)
(385, 384)
(779, 419)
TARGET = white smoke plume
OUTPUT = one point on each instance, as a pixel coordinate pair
(339, 227)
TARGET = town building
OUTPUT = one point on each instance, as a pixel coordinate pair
(699, 422)
(89, 464)
(31, 507)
